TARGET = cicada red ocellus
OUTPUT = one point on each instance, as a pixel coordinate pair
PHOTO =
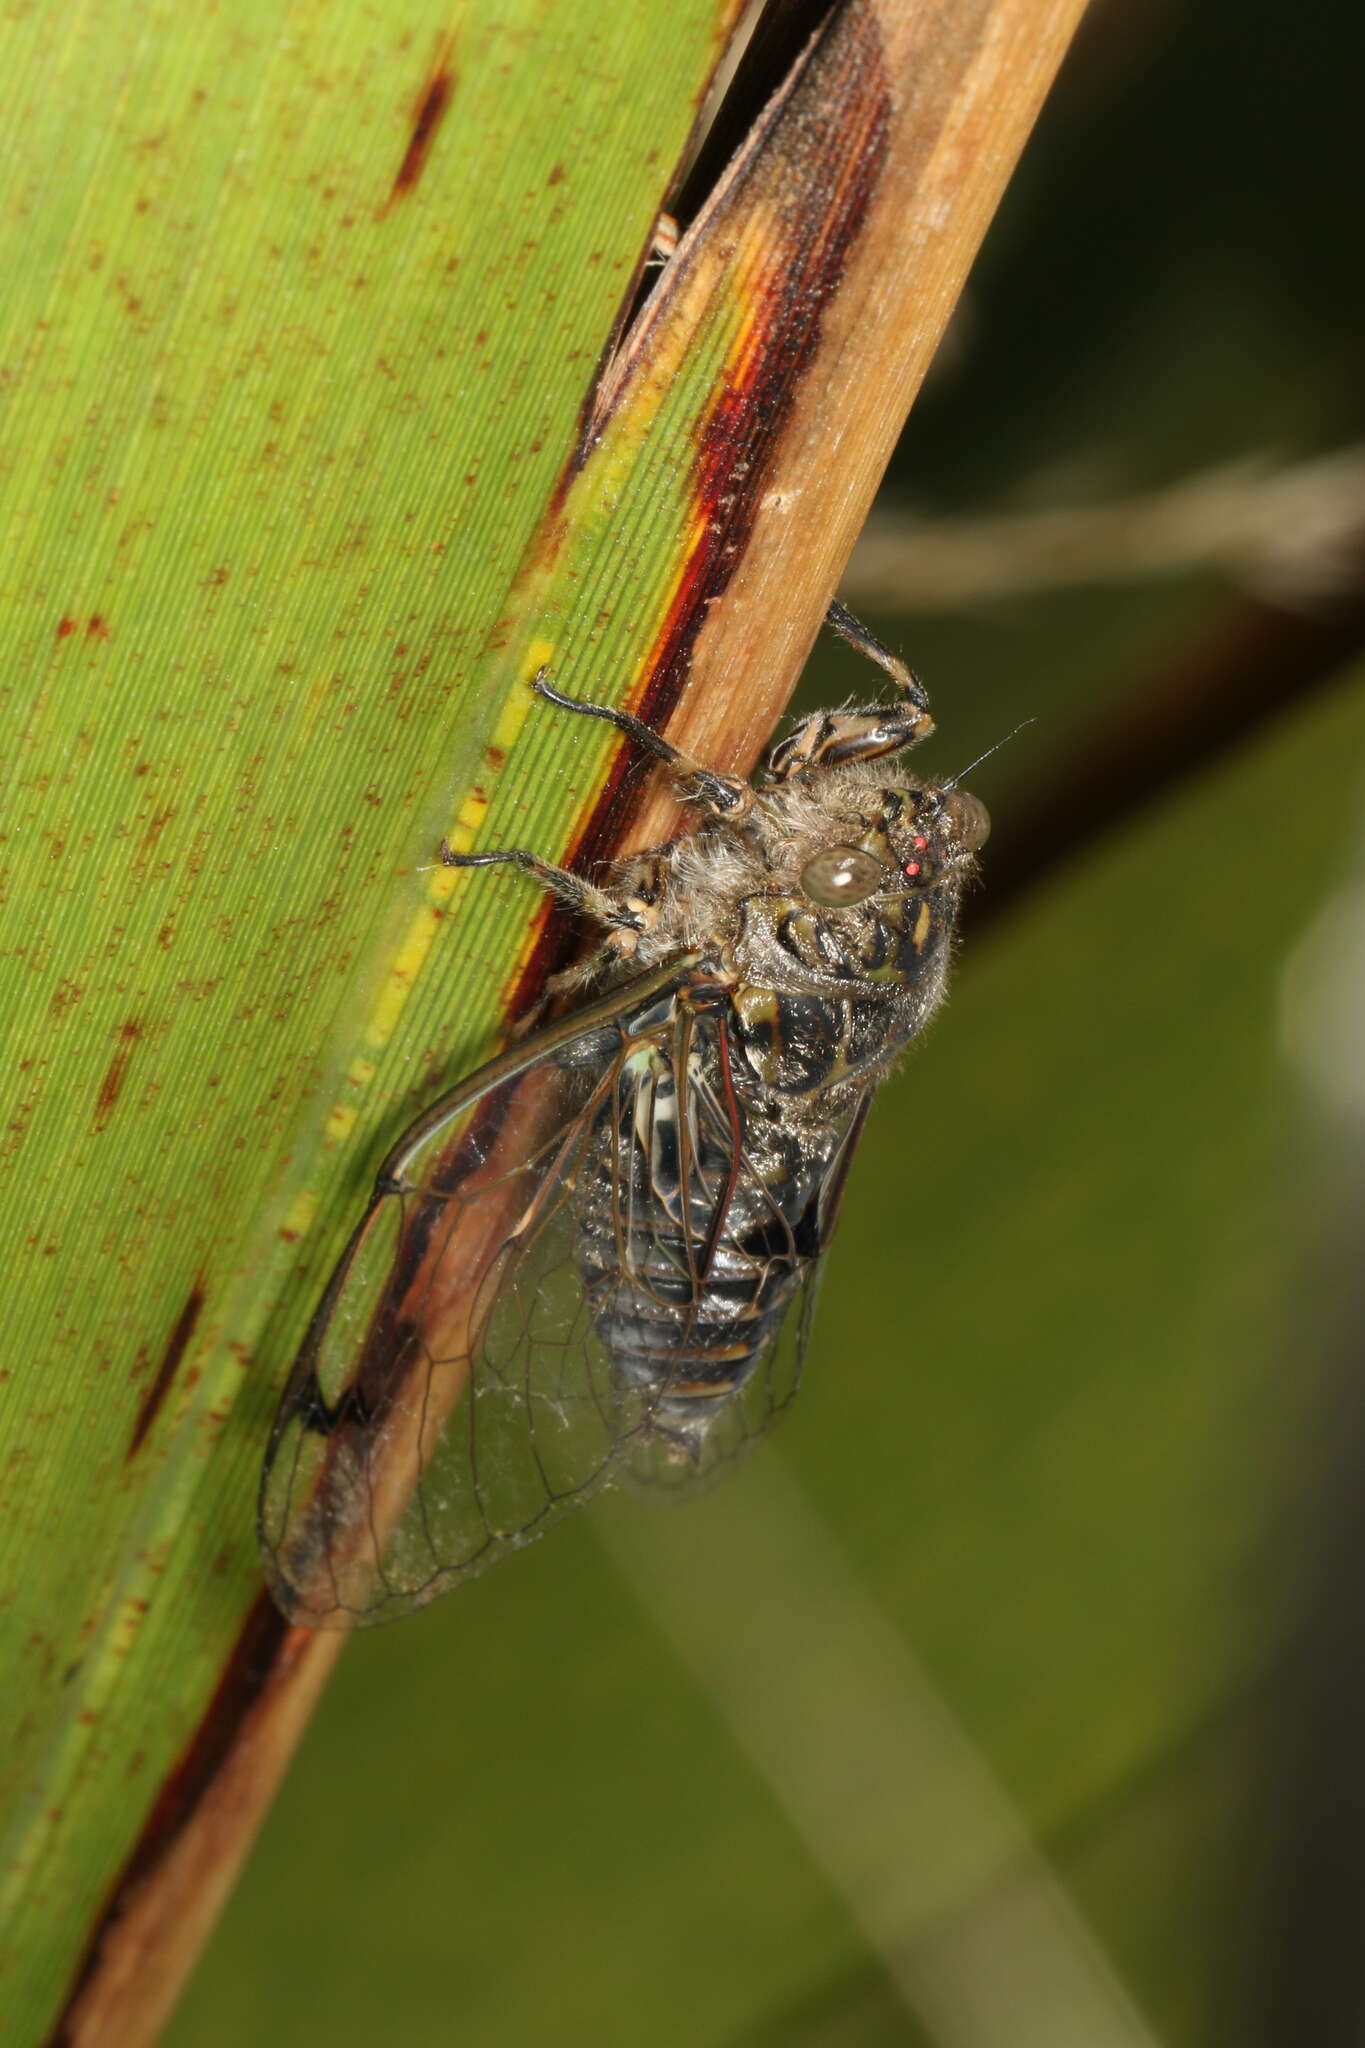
(593, 1261)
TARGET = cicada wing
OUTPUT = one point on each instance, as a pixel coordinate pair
(451, 1397)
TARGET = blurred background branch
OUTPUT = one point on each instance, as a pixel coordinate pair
(1290, 533)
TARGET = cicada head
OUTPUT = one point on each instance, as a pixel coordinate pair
(858, 885)
(912, 838)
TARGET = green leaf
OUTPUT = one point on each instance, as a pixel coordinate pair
(296, 355)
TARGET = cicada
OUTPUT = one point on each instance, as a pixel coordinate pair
(594, 1260)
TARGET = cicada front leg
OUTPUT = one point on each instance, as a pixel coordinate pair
(828, 738)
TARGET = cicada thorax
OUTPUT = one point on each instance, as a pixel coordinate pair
(801, 1039)
(828, 1000)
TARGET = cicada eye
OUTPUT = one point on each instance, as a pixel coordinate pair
(842, 875)
(966, 818)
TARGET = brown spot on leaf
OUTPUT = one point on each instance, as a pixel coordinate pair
(164, 1377)
(428, 114)
(66, 993)
(111, 1087)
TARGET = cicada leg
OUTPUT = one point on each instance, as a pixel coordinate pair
(725, 796)
(827, 738)
(625, 912)
(616, 913)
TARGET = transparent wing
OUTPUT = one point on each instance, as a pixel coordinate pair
(451, 1398)
(454, 1395)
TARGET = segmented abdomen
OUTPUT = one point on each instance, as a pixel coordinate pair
(698, 1212)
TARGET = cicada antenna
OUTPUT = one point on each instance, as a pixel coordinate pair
(953, 780)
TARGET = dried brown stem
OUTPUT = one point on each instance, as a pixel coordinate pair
(965, 80)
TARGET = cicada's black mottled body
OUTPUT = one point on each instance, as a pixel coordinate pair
(593, 1260)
